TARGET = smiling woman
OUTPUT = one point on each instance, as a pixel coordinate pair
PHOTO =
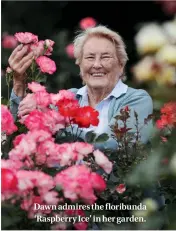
(101, 56)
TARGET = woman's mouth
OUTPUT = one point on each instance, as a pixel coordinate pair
(98, 74)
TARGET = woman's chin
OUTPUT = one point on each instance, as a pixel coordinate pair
(98, 83)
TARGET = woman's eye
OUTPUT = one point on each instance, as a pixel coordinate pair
(106, 57)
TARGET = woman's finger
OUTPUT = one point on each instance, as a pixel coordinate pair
(20, 54)
(24, 112)
(25, 66)
(26, 58)
(18, 48)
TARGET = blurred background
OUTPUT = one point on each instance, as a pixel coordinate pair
(59, 20)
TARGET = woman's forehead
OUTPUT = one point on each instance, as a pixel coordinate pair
(98, 45)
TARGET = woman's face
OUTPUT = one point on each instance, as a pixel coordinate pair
(99, 66)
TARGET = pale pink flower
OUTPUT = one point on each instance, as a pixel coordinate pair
(35, 87)
(76, 184)
(49, 120)
(121, 188)
(66, 154)
(42, 98)
(31, 179)
(46, 150)
(40, 135)
(9, 41)
(10, 164)
(7, 122)
(51, 198)
(49, 44)
(28, 145)
(37, 48)
(70, 50)
(26, 37)
(87, 23)
(83, 148)
(18, 139)
(35, 121)
(46, 64)
(63, 94)
(25, 148)
(102, 161)
(9, 70)
(53, 121)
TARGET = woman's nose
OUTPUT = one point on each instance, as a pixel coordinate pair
(97, 63)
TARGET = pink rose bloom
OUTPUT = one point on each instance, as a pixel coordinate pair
(26, 37)
(9, 41)
(49, 121)
(46, 64)
(82, 148)
(35, 87)
(76, 184)
(7, 122)
(87, 22)
(49, 44)
(46, 150)
(70, 50)
(30, 179)
(35, 121)
(98, 183)
(66, 154)
(51, 198)
(18, 139)
(63, 94)
(121, 188)
(37, 48)
(42, 98)
(27, 145)
(10, 164)
(102, 161)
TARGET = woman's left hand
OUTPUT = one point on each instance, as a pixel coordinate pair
(27, 105)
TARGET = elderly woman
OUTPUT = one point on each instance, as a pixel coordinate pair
(101, 56)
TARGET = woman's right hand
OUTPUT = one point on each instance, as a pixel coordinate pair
(20, 60)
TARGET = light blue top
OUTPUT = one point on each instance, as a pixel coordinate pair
(121, 96)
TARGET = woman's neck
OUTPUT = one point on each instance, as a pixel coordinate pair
(96, 95)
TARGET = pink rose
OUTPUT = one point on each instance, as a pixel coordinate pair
(42, 98)
(46, 64)
(49, 44)
(35, 87)
(7, 122)
(87, 22)
(26, 37)
(37, 48)
(98, 183)
(102, 161)
(9, 41)
(70, 50)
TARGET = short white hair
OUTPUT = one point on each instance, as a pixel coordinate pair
(100, 31)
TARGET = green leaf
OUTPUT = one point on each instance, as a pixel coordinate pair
(102, 138)
(90, 136)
